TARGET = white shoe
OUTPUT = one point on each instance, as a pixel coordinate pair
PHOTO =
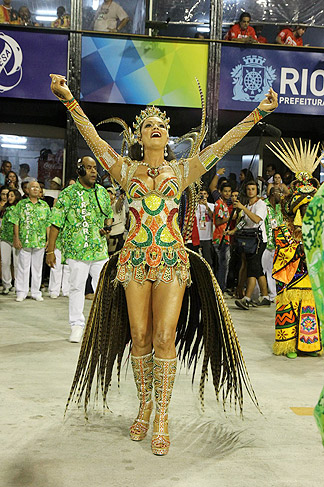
(19, 299)
(76, 334)
(39, 298)
(53, 296)
(5, 291)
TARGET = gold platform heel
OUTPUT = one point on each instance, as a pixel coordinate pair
(164, 371)
(143, 375)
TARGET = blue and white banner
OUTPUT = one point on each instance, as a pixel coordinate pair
(247, 74)
(27, 59)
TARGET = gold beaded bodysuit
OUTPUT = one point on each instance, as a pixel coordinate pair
(154, 249)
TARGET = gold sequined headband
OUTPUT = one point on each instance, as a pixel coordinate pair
(150, 111)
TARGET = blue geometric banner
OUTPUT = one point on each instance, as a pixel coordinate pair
(141, 72)
(247, 74)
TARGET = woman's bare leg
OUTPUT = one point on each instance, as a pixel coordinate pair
(166, 306)
(153, 316)
(139, 306)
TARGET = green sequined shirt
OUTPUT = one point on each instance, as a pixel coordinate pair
(33, 219)
(7, 227)
(78, 216)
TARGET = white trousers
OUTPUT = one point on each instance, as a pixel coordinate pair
(79, 271)
(267, 265)
(8, 251)
(29, 259)
(59, 276)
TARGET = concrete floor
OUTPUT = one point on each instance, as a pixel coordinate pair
(41, 449)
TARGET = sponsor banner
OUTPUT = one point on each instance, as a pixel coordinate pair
(141, 72)
(27, 59)
(247, 74)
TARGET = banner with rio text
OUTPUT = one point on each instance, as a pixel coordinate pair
(143, 72)
(246, 74)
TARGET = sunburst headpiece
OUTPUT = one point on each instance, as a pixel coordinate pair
(302, 161)
(150, 111)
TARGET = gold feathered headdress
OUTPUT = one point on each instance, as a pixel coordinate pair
(302, 161)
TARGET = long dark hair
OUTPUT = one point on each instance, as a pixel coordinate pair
(17, 197)
(8, 205)
(7, 179)
(134, 152)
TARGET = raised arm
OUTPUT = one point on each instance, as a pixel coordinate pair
(108, 158)
(208, 157)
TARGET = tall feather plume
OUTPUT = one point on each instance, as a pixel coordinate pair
(297, 159)
(203, 129)
(196, 138)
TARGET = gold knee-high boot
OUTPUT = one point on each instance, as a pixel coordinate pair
(143, 375)
(164, 371)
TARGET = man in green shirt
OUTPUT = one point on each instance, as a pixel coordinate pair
(31, 220)
(83, 215)
(273, 220)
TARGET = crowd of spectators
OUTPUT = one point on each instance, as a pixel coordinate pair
(110, 16)
(243, 32)
(26, 216)
(226, 210)
(223, 227)
(23, 16)
(8, 15)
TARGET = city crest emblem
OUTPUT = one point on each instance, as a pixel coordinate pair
(11, 58)
(252, 79)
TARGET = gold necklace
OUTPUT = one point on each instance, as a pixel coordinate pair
(153, 172)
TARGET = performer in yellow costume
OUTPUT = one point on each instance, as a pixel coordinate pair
(153, 271)
(297, 327)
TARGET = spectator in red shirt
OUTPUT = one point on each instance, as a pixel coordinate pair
(291, 37)
(242, 31)
(194, 242)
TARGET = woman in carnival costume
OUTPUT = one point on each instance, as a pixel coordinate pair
(154, 292)
(297, 327)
